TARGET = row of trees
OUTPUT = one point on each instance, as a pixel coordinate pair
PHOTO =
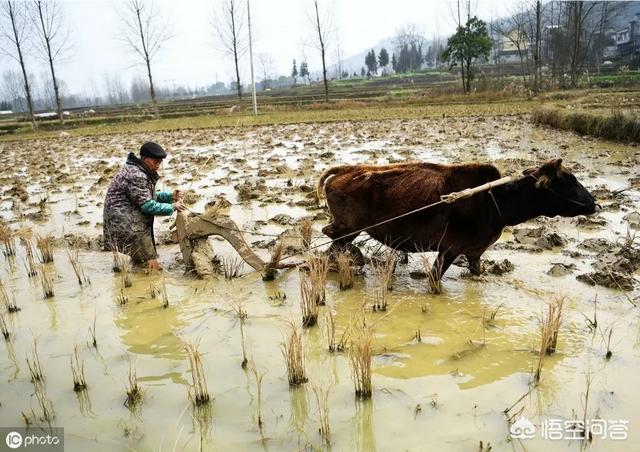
(566, 37)
(38, 23)
(25, 23)
(561, 36)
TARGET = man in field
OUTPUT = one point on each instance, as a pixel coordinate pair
(132, 203)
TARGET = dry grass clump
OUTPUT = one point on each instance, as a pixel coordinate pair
(334, 345)
(163, 292)
(78, 269)
(92, 332)
(35, 369)
(153, 286)
(432, 271)
(330, 329)
(125, 273)
(232, 267)
(46, 282)
(322, 401)
(549, 328)
(241, 313)
(8, 302)
(360, 360)
(119, 260)
(293, 354)
(344, 263)
(46, 407)
(258, 377)
(8, 240)
(318, 266)
(45, 246)
(134, 394)
(306, 231)
(308, 304)
(77, 371)
(383, 274)
(122, 299)
(4, 329)
(198, 392)
(615, 126)
(26, 241)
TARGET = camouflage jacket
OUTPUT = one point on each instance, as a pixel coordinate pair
(125, 224)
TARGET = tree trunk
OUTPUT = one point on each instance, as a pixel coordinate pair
(27, 89)
(147, 61)
(47, 40)
(235, 48)
(577, 30)
(536, 52)
(322, 51)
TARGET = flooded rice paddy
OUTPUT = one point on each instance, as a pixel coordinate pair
(445, 366)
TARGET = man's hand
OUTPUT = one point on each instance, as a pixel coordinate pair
(154, 265)
(179, 206)
(177, 195)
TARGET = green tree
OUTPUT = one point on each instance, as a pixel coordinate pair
(394, 63)
(304, 71)
(469, 43)
(383, 59)
(294, 72)
(371, 62)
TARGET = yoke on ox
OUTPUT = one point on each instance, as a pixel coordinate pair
(359, 196)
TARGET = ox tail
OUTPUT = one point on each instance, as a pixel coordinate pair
(328, 173)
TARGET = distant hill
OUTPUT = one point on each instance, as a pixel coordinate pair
(355, 62)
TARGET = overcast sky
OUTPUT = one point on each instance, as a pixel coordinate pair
(281, 28)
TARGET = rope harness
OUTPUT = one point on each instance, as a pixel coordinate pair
(449, 198)
(559, 195)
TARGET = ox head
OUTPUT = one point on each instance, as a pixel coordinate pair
(560, 191)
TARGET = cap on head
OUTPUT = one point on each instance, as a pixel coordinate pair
(153, 150)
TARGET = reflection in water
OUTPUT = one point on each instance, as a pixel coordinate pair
(84, 403)
(12, 357)
(363, 433)
(149, 329)
(53, 314)
(202, 422)
(299, 413)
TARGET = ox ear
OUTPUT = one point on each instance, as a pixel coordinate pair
(552, 167)
(529, 171)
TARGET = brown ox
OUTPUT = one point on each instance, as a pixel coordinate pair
(359, 196)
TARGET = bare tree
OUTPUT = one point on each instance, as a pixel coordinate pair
(266, 67)
(14, 30)
(12, 89)
(228, 25)
(52, 38)
(145, 33)
(321, 26)
(516, 30)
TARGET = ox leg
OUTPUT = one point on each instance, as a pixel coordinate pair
(441, 265)
(474, 265)
(343, 244)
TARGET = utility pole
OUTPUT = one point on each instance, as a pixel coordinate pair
(253, 79)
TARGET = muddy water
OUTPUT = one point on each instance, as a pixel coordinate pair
(447, 391)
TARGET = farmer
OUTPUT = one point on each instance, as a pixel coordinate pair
(132, 203)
